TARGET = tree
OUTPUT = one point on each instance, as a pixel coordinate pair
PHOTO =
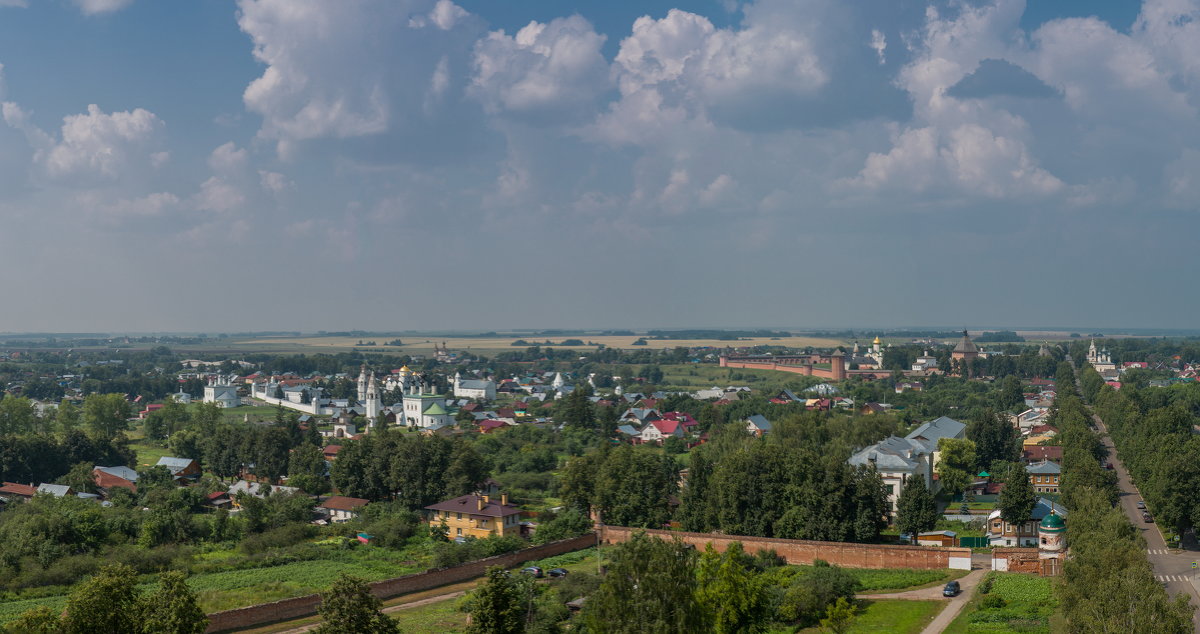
(1010, 392)
(809, 596)
(106, 414)
(66, 417)
(650, 587)
(916, 510)
(40, 620)
(349, 606)
(995, 440)
(633, 487)
(839, 616)
(80, 478)
(575, 410)
(956, 464)
(173, 609)
(731, 593)
(1016, 498)
(501, 605)
(466, 471)
(106, 602)
(17, 415)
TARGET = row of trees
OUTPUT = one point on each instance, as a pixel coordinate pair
(1108, 585)
(793, 482)
(414, 470)
(653, 585)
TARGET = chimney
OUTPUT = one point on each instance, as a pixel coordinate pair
(503, 499)
(479, 502)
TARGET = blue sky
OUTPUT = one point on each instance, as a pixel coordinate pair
(420, 164)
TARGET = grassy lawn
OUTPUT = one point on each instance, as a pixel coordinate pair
(892, 616)
(901, 579)
(226, 589)
(1028, 606)
(441, 616)
(148, 453)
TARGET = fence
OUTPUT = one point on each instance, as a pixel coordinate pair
(798, 551)
(297, 607)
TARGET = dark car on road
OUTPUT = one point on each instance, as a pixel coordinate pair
(1147, 519)
(557, 572)
(951, 590)
(533, 570)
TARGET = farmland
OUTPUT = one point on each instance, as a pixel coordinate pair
(424, 344)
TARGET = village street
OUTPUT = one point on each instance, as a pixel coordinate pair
(1175, 568)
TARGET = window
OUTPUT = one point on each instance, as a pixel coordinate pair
(458, 516)
(483, 523)
(458, 531)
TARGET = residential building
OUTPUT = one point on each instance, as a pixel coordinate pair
(1044, 476)
(109, 478)
(57, 490)
(339, 508)
(757, 425)
(914, 456)
(222, 393)
(1001, 533)
(658, 430)
(476, 515)
(11, 491)
(481, 389)
(180, 467)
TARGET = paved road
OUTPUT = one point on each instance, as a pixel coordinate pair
(1172, 567)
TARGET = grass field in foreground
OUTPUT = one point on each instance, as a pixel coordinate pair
(894, 616)
(1029, 605)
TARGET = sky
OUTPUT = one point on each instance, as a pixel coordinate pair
(397, 165)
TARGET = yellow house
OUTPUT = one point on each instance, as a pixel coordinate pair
(1038, 439)
(477, 516)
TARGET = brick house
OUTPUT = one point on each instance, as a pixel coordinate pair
(1044, 476)
(476, 515)
(1001, 533)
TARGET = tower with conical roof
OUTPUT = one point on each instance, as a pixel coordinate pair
(965, 350)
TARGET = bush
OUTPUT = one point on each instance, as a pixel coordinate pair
(446, 554)
(993, 601)
(812, 592)
(281, 537)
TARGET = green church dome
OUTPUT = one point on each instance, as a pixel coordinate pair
(1053, 523)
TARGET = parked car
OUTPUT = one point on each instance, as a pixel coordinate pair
(533, 570)
(557, 572)
(1146, 518)
(1141, 505)
(951, 590)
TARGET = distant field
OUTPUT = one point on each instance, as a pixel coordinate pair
(424, 345)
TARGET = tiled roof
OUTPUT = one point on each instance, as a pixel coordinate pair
(470, 504)
(342, 503)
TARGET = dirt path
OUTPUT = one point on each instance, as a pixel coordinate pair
(953, 606)
(388, 610)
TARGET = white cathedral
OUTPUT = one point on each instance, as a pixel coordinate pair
(1101, 360)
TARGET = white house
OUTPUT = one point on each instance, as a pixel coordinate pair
(482, 389)
(339, 508)
(914, 456)
(222, 393)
